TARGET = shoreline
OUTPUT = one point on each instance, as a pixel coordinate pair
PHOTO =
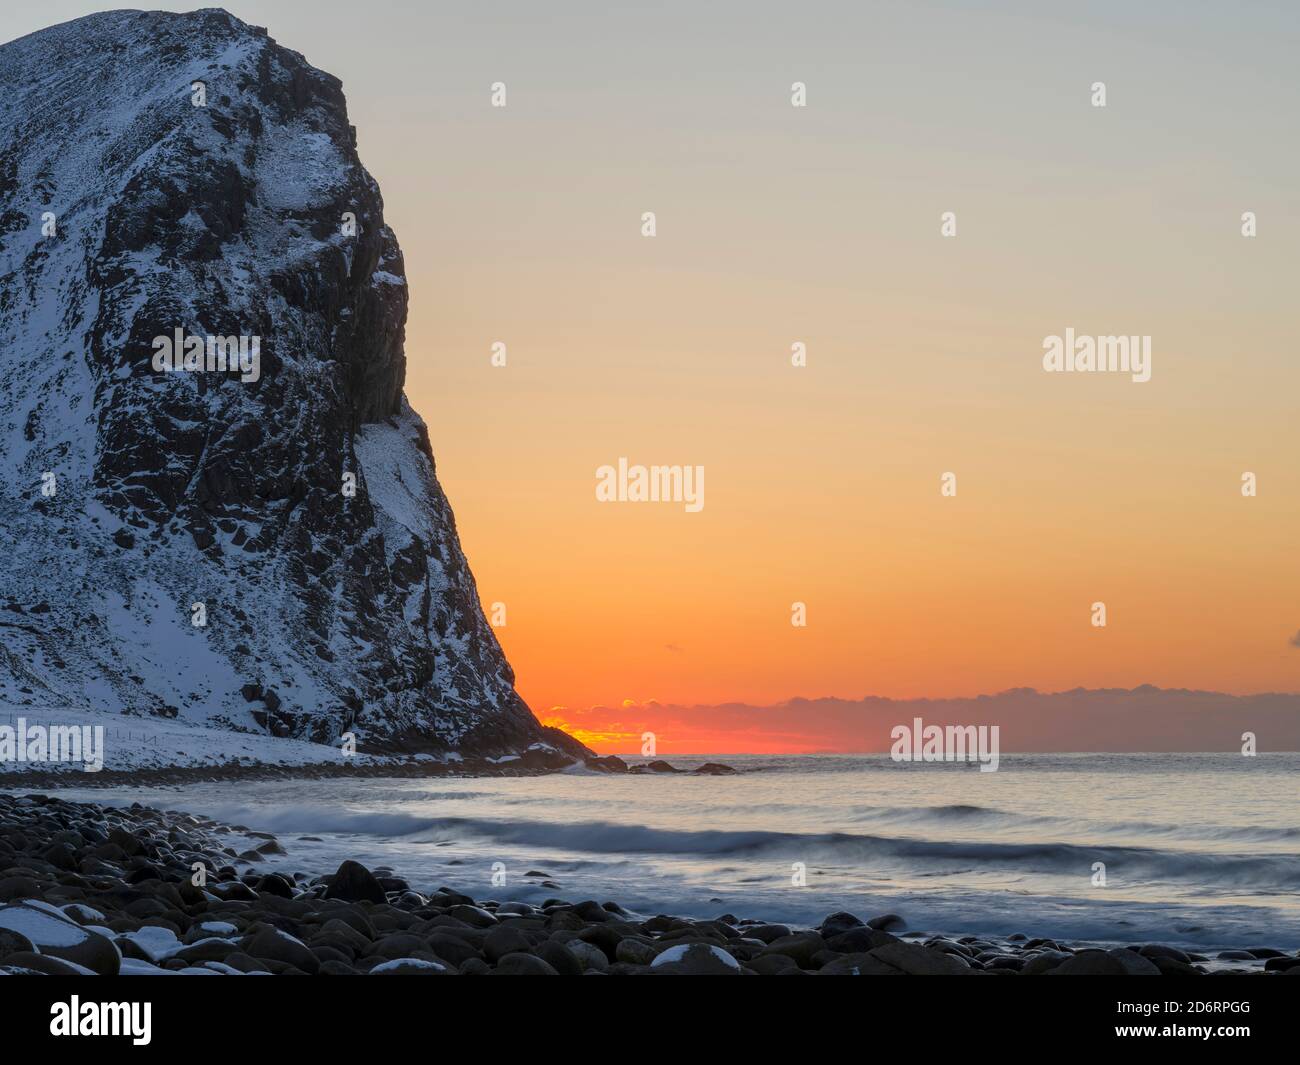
(178, 776)
(94, 889)
(531, 763)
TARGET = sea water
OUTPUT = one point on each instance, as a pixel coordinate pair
(1197, 850)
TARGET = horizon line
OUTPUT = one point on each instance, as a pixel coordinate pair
(1141, 688)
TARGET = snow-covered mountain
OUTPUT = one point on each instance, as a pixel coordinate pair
(135, 501)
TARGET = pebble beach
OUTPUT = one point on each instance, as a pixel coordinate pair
(90, 889)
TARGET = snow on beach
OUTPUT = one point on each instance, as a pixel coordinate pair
(132, 743)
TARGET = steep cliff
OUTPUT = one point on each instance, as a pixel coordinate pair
(265, 548)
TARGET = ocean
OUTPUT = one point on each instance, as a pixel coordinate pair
(1198, 850)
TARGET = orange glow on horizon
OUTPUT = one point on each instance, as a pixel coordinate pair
(607, 731)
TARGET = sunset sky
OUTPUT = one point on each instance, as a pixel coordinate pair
(821, 225)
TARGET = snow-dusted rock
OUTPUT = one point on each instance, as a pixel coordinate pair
(133, 494)
(57, 936)
(696, 958)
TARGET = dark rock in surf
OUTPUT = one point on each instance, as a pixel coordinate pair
(836, 923)
(355, 883)
(890, 922)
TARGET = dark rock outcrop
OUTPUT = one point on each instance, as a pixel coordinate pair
(267, 549)
(354, 883)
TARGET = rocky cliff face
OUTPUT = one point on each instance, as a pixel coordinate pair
(265, 549)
